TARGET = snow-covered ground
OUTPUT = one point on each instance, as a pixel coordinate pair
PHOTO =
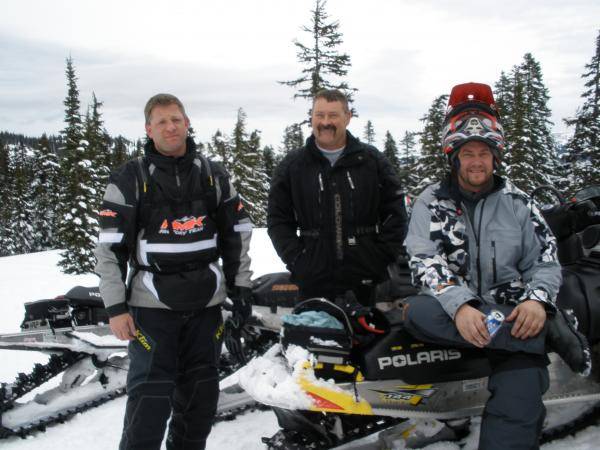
(35, 276)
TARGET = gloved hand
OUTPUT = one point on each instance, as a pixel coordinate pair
(241, 309)
(241, 298)
(233, 341)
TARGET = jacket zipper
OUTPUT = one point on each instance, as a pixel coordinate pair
(321, 191)
(177, 176)
(494, 261)
(351, 239)
(477, 237)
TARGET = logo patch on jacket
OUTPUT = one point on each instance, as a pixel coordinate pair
(183, 226)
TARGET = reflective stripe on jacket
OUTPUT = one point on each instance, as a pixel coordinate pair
(179, 241)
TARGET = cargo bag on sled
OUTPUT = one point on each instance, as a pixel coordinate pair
(322, 328)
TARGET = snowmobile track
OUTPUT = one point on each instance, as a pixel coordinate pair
(59, 417)
(591, 417)
(41, 373)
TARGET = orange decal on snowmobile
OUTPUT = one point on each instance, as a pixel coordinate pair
(107, 213)
(284, 287)
(331, 399)
(323, 403)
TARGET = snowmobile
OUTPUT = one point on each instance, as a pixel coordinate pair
(329, 385)
(88, 366)
(73, 330)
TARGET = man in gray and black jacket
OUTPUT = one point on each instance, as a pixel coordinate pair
(166, 219)
(477, 244)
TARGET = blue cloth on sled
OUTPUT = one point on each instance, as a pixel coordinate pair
(318, 319)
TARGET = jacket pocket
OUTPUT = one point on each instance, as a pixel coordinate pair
(504, 254)
(311, 265)
(366, 260)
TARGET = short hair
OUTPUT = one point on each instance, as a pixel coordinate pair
(333, 95)
(162, 100)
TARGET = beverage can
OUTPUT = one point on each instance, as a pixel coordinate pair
(494, 321)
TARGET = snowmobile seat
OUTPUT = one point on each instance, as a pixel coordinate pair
(85, 296)
(47, 313)
(398, 355)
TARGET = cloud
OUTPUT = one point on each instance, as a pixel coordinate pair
(219, 57)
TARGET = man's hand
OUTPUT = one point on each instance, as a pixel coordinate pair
(470, 323)
(123, 327)
(529, 318)
(241, 297)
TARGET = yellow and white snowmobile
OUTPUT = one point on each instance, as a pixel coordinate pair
(331, 385)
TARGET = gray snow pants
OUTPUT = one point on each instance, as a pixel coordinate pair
(514, 414)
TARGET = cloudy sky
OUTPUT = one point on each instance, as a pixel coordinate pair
(221, 55)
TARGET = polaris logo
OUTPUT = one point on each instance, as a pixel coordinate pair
(419, 358)
(94, 294)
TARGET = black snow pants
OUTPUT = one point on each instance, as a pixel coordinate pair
(173, 372)
(514, 414)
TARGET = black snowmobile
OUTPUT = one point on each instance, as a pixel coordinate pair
(329, 386)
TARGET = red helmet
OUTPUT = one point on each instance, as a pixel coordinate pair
(472, 116)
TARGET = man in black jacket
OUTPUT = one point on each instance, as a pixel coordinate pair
(171, 215)
(336, 213)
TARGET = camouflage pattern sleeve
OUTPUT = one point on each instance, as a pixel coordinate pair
(435, 271)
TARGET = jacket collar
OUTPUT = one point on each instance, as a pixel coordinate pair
(448, 188)
(353, 145)
(168, 163)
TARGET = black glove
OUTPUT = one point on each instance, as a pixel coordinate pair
(241, 298)
(363, 318)
(233, 341)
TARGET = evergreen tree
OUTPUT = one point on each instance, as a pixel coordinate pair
(390, 150)
(119, 151)
(44, 186)
(504, 97)
(321, 59)
(139, 149)
(432, 164)
(77, 227)
(6, 196)
(247, 170)
(293, 137)
(23, 211)
(269, 160)
(97, 151)
(584, 147)
(218, 149)
(369, 135)
(408, 161)
(532, 161)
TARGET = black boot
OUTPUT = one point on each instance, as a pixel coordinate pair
(572, 346)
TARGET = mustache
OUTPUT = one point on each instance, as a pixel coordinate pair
(327, 127)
